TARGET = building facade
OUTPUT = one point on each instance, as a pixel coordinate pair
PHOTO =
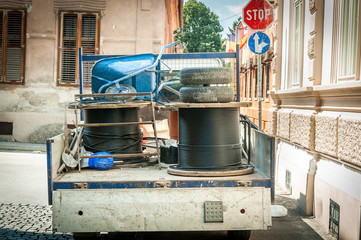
(316, 115)
(249, 89)
(39, 41)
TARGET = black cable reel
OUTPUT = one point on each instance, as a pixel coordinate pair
(209, 137)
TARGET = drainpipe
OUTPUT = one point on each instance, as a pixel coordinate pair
(310, 188)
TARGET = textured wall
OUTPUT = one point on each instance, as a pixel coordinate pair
(326, 133)
(283, 123)
(349, 139)
(272, 122)
(302, 129)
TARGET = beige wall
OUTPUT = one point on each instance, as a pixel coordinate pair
(126, 27)
(319, 118)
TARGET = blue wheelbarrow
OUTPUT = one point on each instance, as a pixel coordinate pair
(138, 71)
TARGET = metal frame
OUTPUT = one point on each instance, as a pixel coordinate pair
(153, 184)
(335, 207)
(77, 125)
(161, 56)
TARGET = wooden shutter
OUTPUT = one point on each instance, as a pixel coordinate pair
(14, 46)
(78, 29)
(68, 48)
(12, 49)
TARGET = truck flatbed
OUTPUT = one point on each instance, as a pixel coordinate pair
(151, 177)
(146, 199)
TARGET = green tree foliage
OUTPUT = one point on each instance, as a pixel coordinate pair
(234, 25)
(202, 30)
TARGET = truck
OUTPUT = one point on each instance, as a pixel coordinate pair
(148, 198)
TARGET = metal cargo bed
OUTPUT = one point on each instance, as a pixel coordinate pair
(149, 199)
(151, 177)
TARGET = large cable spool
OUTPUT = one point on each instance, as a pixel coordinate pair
(114, 139)
(209, 139)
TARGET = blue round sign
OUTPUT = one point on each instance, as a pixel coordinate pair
(259, 43)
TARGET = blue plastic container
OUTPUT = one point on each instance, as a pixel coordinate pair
(101, 163)
(112, 69)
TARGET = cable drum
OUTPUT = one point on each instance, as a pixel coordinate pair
(209, 139)
(113, 139)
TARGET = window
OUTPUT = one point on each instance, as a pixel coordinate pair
(262, 82)
(256, 83)
(296, 44)
(76, 30)
(12, 46)
(250, 84)
(245, 84)
(288, 183)
(267, 79)
(347, 39)
(334, 221)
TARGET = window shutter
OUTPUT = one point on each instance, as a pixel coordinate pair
(68, 56)
(77, 30)
(88, 38)
(14, 47)
(88, 31)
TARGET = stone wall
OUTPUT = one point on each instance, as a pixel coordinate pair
(334, 134)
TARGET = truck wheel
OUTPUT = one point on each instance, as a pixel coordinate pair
(206, 75)
(239, 235)
(219, 94)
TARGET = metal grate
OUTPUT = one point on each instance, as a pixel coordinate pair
(334, 225)
(288, 182)
(213, 211)
(68, 66)
(87, 71)
(69, 30)
(88, 31)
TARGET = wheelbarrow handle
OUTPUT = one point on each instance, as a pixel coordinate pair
(139, 71)
(164, 48)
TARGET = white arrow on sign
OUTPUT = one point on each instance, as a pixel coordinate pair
(258, 46)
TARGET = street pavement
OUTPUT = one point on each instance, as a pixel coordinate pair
(25, 214)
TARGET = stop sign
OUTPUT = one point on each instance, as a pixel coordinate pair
(258, 14)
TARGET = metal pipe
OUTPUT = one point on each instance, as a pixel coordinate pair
(259, 93)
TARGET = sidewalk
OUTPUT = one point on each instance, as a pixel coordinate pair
(22, 147)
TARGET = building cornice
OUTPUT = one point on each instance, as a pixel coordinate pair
(344, 97)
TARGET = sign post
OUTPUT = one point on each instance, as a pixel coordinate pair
(258, 15)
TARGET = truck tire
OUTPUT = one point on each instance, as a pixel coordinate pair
(84, 236)
(206, 75)
(239, 235)
(219, 94)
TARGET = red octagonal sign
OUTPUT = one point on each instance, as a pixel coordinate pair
(258, 14)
